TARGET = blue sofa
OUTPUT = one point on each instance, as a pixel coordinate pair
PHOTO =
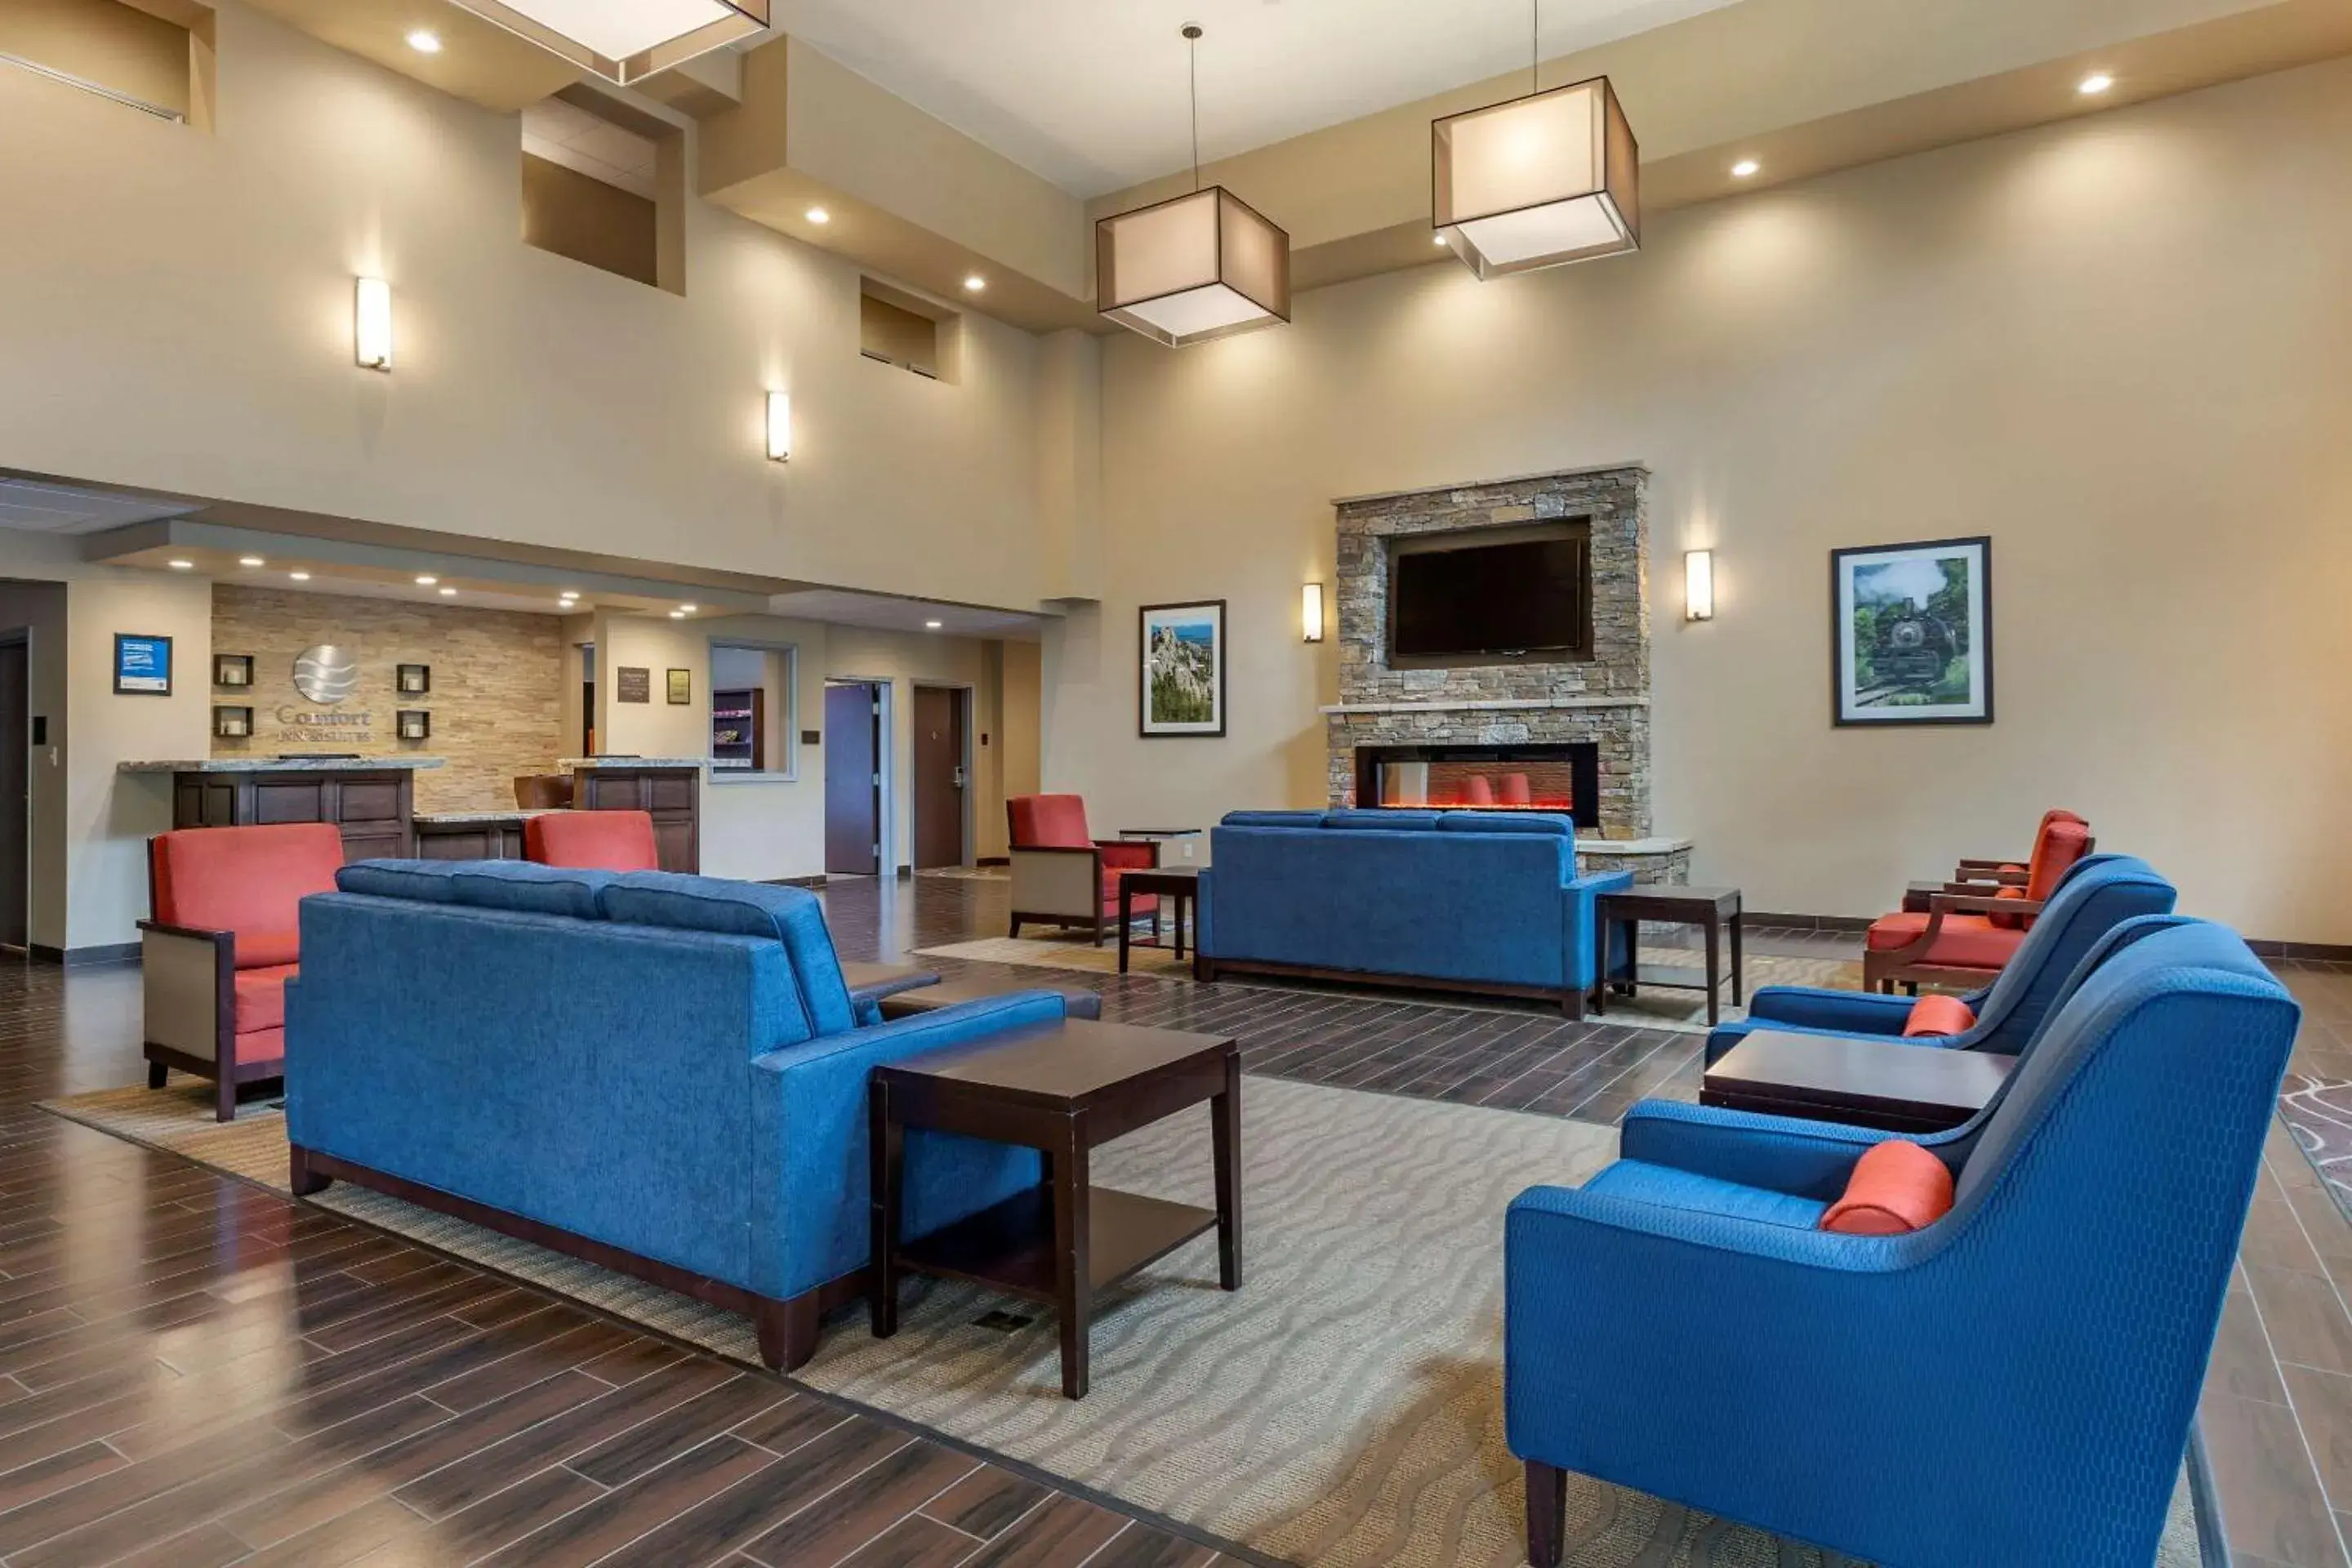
(663, 1073)
(2011, 1384)
(1459, 901)
(2098, 894)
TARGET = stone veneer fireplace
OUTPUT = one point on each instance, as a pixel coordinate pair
(1485, 712)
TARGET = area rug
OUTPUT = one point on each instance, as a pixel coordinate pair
(1682, 1011)
(1342, 1410)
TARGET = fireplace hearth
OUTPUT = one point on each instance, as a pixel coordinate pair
(1554, 778)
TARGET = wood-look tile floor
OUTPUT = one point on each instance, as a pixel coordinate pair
(196, 1372)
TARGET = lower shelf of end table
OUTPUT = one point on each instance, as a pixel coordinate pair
(1010, 1247)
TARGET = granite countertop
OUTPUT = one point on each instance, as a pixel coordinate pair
(284, 765)
(625, 764)
(469, 818)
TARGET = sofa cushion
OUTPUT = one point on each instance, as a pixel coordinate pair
(267, 949)
(1934, 1015)
(425, 881)
(1668, 1187)
(1547, 824)
(529, 889)
(1388, 819)
(1271, 819)
(1965, 941)
(593, 840)
(1047, 821)
(793, 916)
(260, 1047)
(245, 879)
(261, 998)
(1895, 1187)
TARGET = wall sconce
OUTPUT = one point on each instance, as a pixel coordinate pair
(780, 426)
(371, 324)
(1698, 584)
(1310, 612)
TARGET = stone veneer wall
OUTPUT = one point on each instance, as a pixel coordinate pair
(1605, 697)
(497, 697)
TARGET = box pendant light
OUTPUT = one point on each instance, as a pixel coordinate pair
(625, 41)
(1548, 178)
(1201, 265)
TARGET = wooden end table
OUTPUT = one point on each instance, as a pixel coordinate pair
(872, 982)
(1061, 1089)
(1077, 1001)
(1716, 909)
(1884, 1084)
(1180, 888)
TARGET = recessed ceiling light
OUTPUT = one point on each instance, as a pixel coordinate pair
(425, 41)
(974, 284)
(251, 561)
(299, 576)
(2095, 84)
(1745, 169)
(181, 565)
(932, 626)
(819, 215)
(426, 582)
(1438, 240)
(449, 593)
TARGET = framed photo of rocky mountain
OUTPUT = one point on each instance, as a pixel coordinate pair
(1182, 666)
(1911, 632)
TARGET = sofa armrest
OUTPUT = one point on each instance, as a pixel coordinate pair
(810, 1171)
(1580, 921)
(1057, 879)
(187, 978)
(1982, 904)
(1841, 1012)
(1779, 1153)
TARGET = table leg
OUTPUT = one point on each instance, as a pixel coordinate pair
(1739, 965)
(1176, 905)
(889, 1165)
(1073, 1287)
(1713, 970)
(1632, 929)
(1126, 920)
(1225, 1139)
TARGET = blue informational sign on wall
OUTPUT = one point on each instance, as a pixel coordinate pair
(142, 665)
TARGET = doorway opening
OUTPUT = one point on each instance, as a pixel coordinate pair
(856, 759)
(942, 776)
(15, 792)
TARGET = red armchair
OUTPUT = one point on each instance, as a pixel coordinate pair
(1982, 877)
(1969, 932)
(593, 840)
(223, 938)
(1062, 877)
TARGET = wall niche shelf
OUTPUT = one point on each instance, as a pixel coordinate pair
(233, 669)
(233, 723)
(413, 724)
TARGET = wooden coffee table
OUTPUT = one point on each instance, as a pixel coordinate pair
(1861, 1083)
(1061, 1089)
(872, 982)
(1077, 1001)
(1180, 888)
(1716, 909)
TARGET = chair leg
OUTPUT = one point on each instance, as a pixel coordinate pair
(1016, 927)
(156, 1073)
(224, 1095)
(1547, 1513)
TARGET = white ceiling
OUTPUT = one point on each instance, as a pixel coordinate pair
(1091, 93)
(67, 509)
(565, 134)
(884, 613)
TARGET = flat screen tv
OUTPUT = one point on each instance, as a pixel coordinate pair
(1523, 592)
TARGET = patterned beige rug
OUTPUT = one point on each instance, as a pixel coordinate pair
(1342, 1410)
(1652, 1008)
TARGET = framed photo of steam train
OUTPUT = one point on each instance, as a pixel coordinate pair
(1911, 634)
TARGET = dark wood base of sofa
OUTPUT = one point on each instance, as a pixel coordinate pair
(163, 1060)
(1547, 1513)
(1570, 1002)
(787, 1327)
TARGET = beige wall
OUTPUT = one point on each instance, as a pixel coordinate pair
(185, 324)
(2119, 346)
(575, 215)
(495, 701)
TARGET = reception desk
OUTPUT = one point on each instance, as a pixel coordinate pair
(471, 835)
(668, 789)
(371, 799)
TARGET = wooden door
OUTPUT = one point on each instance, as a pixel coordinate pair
(16, 792)
(939, 778)
(853, 780)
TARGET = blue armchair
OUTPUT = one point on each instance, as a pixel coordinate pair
(2098, 894)
(2012, 1385)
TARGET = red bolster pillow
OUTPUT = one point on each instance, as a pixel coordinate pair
(1934, 1015)
(2009, 922)
(1895, 1187)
